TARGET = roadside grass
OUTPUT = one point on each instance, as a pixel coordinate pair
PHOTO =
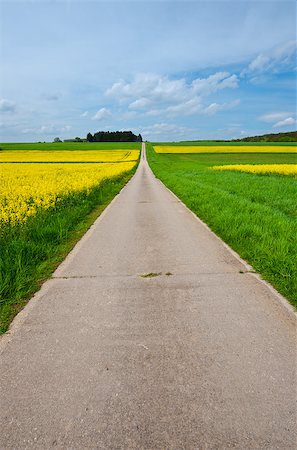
(254, 213)
(30, 252)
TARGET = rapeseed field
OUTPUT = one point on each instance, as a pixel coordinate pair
(77, 156)
(281, 169)
(49, 197)
(224, 149)
(25, 188)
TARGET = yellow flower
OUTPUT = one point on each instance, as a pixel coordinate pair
(282, 169)
(68, 155)
(225, 149)
(27, 187)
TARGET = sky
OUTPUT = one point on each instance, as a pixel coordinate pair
(170, 70)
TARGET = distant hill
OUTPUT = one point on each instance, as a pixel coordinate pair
(290, 136)
(273, 138)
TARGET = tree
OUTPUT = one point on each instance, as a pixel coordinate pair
(112, 136)
(57, 139)
(90, 137)
(139, 138)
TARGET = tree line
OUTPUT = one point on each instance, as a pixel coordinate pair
(113, 136)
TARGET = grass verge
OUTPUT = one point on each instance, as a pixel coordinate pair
(255, 214)
(30, 252)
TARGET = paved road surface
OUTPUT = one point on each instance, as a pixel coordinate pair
(105, 358)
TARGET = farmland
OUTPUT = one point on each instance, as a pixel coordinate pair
(75, 156)
(255, 213)
(266, 169)
(48, 199)
(224, 148)
(70, 146)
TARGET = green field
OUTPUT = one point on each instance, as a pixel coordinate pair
(70, 146)
(223, 143)
(254, 213)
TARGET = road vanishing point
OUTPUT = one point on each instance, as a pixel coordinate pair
(151, 334)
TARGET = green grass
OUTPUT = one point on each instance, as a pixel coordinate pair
(217, 143)
(30, 252)
(71, 146)
(255, 214)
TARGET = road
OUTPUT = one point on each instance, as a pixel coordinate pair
(199, 356)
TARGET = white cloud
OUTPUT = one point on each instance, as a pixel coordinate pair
(66, 128)
(283, 57)
(147, 88)
(215, 82)
(154, 112)
(84, 114)
(158, 94)
(186, 108)
(285, 122)
(260, 63)
(281, 119)
(275, 116)
(7, 106)
(102, 114)
(140, 103)
(213, 108)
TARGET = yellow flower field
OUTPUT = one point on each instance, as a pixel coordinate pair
(225, 149)
(282, 169)
(27, 187)
(68, 156)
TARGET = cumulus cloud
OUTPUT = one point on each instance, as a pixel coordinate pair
(285, 122)
(157, 94)
(152, 87)
(7, 106)
(147, 88)
(84, 114)
(102, 114)
(280, 59)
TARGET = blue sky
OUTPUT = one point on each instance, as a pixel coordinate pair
(170, 70)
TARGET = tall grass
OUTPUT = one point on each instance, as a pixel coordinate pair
(255, 214)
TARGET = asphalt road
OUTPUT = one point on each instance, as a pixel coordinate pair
(200, 356)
